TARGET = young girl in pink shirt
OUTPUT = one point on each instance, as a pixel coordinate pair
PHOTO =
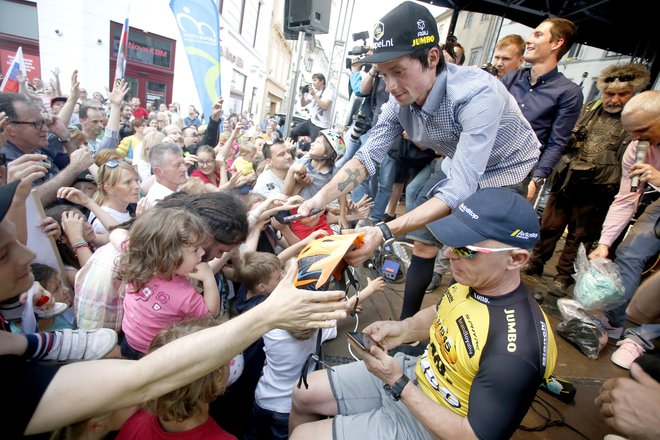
(162, 255)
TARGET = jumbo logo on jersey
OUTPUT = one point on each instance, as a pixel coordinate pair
(511, 335)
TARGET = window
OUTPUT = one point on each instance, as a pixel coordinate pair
(485, 17)
(475, 56)
(238, 82)
(468, 20)
(144, 48)
(574, 51)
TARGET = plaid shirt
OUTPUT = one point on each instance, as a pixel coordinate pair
(471, 118)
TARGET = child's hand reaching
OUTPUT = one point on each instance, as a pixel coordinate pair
(373, 286)
(314, 235)
(376, 286)
(202, 272)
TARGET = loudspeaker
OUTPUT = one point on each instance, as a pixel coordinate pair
(310, 16)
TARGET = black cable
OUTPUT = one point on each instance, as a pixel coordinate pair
(548, 420)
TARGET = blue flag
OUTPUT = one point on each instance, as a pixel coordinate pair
(199, 24)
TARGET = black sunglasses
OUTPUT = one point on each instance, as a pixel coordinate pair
(622, 78)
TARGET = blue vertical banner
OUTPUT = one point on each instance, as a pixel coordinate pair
(199, 25)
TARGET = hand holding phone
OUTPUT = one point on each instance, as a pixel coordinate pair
(363, 340)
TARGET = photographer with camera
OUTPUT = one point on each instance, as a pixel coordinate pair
(318, 100)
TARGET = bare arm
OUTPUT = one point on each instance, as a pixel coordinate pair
(85, 389)
(440, 421)
(367, 84)
(70, 104)
(346, 179)
(80, 160)
(645, 304)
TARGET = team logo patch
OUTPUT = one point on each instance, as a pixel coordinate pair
(379, 30)
(421, 24)
(519, 233)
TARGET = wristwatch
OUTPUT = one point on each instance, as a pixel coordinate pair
(538, 181)
(387, 233)
(395, 390)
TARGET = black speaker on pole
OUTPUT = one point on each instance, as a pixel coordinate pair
(309, 16)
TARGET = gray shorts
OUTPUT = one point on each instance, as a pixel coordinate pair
(366, 411)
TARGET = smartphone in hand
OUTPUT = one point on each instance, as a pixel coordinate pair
(363, 340)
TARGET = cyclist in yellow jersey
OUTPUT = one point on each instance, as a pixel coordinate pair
(490, 348)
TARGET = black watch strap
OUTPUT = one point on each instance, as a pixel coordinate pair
(387, 233)
(395, 390)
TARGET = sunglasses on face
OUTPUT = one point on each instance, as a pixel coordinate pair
(472, 251)
(622, 78)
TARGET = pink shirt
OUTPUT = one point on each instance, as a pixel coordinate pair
(158, 305)
(625, 203)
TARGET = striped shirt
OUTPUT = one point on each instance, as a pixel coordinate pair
(469, 117)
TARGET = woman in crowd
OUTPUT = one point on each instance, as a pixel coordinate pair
(118, 189)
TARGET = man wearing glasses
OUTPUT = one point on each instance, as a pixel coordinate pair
(490, 344)
(26, 133)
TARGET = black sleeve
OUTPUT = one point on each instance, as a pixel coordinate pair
(211, 134)
(25, 382)
(501, 394)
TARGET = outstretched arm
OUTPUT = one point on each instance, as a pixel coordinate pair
(85, 389)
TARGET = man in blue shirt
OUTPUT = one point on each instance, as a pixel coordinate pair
(463, 113)
(549, 101)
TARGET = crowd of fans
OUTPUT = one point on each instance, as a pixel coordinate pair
(169, 222)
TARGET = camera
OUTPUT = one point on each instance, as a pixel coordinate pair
(580, 132)
(304, 88)
(358, 51)
(361, 123)
(488, 67)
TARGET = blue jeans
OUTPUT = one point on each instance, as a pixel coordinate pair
(415, 186)
(631, 255)
(351, 146)
(643, 335)
(385, 180)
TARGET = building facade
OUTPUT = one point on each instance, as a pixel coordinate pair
(84, 35)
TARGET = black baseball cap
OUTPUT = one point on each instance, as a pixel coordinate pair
(499, 214)
(58, 99)
(404, 30)
(6, 196)
(85, 176)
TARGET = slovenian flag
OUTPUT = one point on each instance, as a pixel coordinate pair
(120, 70)
(10, 82)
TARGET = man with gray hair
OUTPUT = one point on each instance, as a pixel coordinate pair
(169, 171)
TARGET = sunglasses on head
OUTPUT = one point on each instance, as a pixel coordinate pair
(622, 78)
(473, 251)
(109, 164)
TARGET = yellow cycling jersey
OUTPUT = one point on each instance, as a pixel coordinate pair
(485, 353)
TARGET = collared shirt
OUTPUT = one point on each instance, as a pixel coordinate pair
(552, 106)
(470, 117)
